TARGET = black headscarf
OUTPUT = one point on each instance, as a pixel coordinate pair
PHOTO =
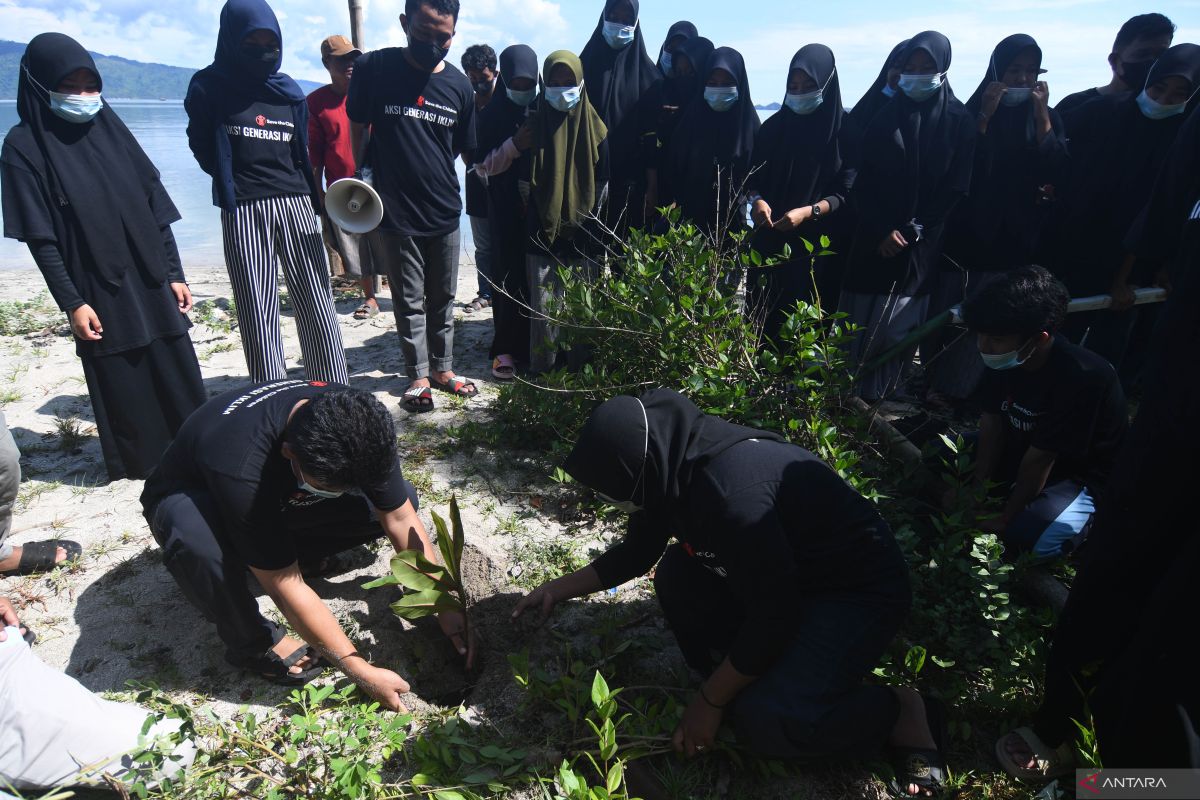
(866, 108)
(798, 155)
(682, 28)
(501, 117)
(1159, 230)
(705, 138)
(240, 18)
(647, 450)
(615, 82)
(96, 168)
(698, 51)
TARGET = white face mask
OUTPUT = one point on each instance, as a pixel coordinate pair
(563, 98)
(667, 61)
(1015, 97)
(618, 35)
(1006, 361)
(1152, 109)
(920, 87)
(77, 108)
(807, 102)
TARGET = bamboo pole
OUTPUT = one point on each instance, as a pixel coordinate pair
(356, 23)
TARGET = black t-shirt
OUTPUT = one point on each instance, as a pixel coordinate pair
(779, 525)
(263, 162)
(420, 122)
(230, 448)
(1072, 406)
(1075, 100)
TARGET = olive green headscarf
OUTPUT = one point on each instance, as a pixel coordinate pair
(566, 147)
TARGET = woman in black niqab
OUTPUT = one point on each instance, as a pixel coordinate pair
(1020, 159)
(710, 155)
(916, 162)
(616, 79)
(799, 170)
(498, 122)
(89, 204)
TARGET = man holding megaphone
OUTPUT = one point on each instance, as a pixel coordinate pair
(421, 113)
(332, 158)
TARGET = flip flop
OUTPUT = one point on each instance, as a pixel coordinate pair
(478, 304)
(458, 385)
(504, 368)
(417, 400)
(1051, 762)
(919, 766)
(366, 311)
(38, 557)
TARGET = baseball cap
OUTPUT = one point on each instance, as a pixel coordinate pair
(337, 46)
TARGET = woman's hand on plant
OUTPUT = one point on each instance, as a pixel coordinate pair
(793, 219)
(183, 296)
(761, 213)
(697, 730)
(462, 636)
(86, 325)
(381, 684)
(542, 598)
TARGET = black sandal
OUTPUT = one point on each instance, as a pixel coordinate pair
(29, 636)
(38, 557)
(417, 400)
(918, 766)
(273, 669)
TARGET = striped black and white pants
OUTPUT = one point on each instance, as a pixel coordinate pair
(258, 236)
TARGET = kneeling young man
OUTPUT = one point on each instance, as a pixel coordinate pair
(1053, 416)
(274, 478)
(783, 587)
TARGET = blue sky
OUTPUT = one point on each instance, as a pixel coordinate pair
(1075, 35)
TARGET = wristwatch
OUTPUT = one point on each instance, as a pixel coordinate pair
(816, 210)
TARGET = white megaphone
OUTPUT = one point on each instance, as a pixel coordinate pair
(353, 205)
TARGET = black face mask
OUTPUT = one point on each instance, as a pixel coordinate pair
(427, 54)
(1136, 73)
(260, 61)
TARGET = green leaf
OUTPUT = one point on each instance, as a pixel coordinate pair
(386, 580)
(424, 604)
(421, 779)
(414, 571)
(914, 659)
(444, 541)
(599, 690)
(459, 540)
(615, 773)
(448, 794)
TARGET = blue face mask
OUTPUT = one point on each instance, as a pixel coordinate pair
(77, 108)
(804, 103)
(721, 98)
(888, 91)
(1005, 361)
(1152, 109)
(920, 87)
(618, 34)
(667, 61)
(563, 98)
(522, 97)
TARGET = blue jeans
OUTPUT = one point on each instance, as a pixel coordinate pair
(813, 702)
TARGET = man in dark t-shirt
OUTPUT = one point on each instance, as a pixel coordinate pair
(421, 113)
(1139, 43)
(1054, 415)
(276, 479)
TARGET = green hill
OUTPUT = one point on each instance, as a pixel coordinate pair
(122, 77)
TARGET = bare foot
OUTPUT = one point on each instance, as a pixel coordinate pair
(1020, 752)
(286, 646)
(13, 561)
(912, 730)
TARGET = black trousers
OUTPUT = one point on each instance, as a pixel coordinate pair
(212, 576)
(813, 703)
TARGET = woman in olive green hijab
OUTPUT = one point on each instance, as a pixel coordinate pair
(568, 180)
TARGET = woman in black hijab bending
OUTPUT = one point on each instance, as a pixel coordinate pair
(617, 71)
(800, 181)
(79, 191)
(1119, 143)
(783, 587)
(1020, 159)
(915, 166)
(710, 156)
(512, 103)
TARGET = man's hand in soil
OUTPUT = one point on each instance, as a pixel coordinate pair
(545, 597)
(697, 730)
(381, 684)
(454, 625)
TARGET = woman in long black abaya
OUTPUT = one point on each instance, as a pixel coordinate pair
(800, 182)
(79, 191)
(916, 165)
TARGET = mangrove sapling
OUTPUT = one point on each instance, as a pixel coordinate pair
(431, 588)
